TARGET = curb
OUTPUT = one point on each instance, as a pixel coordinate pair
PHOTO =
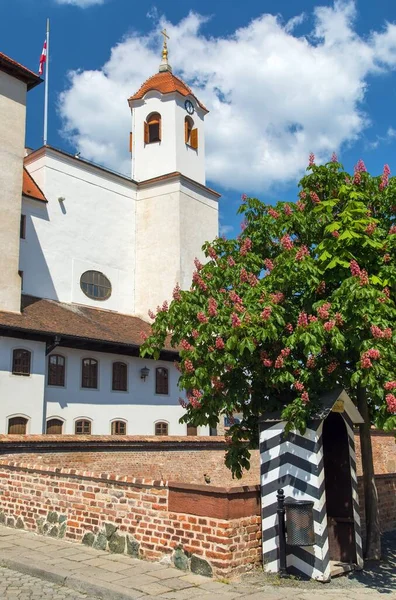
(64, 578)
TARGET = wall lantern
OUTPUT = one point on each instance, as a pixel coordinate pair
(144, 373)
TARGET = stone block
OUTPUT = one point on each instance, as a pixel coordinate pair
(101, 541)
(19, 523)
(62, 530)
(2, 518)
(54, 531)
(88, 538)
(199, 566)
(110, 529)
(10, 522)
(62, 519)
(52, 517)
(117, 544)
(132, 546)
(180, 559)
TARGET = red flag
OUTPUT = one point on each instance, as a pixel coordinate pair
(43, 58)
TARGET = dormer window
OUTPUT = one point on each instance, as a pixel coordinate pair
(152, 129)
(190, 134)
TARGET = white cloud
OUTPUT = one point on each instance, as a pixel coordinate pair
(80, 3)
(273, 96)
(225, 229)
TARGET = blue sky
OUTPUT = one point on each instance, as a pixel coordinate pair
(281, 79)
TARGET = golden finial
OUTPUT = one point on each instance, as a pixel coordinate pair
(164, 66)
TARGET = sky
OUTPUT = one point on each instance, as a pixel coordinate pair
(281, 79)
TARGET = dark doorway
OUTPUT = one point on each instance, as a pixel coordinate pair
(338, 485)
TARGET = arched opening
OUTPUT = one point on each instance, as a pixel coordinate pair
(17, 425)
(161, 428)
(152, 129)
(188, 127)
(82, 427)
(54, 427)
(118, 427)
(338, 485)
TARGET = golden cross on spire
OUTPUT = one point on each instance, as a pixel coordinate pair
(165, 47)
(165, 66)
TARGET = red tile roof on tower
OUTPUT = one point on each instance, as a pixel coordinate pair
(165, 83)
(30, 187)
(10, 66)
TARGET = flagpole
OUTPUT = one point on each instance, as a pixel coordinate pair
(46, 87)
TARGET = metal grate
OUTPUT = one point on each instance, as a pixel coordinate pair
(299, 522)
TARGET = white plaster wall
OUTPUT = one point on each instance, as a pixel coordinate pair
(140, 406)
(93, 228)
(199, 223)
(174, 219)
(22, 395)
(171, 153)
(12, 142)
(158, 246)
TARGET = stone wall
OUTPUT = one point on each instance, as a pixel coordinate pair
(127, 515)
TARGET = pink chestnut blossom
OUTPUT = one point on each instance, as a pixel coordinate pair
(266, 313)
(212, 307)
(176, 292)
(286, 242)
(335, 234)
(269, 265)
(311, 159)
(198, 264)
(300, 205)
(371, 227)
(188, 366)
(202, 318)
(273, 213)
(390, 385)
(334, 158)
(392, 230)
(329, 325)
(246, 246)
(305, 397)
(235, 320)
(287, 210)
(299, 386)
(314, 197)
(323, 311)
(302, 252)
(391, 403)
(186, 345)
(220, 343)
(302, 320)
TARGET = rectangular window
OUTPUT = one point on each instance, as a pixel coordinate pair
(89, 376)
(120, 377)
(22, 230)
(161, 381)
(56, 370)
(21, 362)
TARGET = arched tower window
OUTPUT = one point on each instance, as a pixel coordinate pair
(152, 129)
(190, 134)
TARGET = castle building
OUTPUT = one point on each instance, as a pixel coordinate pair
(85, 253)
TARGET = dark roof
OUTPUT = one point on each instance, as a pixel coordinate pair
(30, 187)
(10, 66)
(324, 406)
(45, 319)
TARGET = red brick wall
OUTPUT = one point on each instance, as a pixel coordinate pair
(386, 487)
(137, 507)
(384, 452)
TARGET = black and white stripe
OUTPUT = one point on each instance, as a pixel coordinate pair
(295, 463)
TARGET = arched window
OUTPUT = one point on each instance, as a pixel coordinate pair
(54, 426)
(152, 128)
(161, 428)
(161, 381)
(120, 377)
(190, 134)
(56, 370)
(21, 360)
(89, 374)
(17, 425)
(95, 285)
(118, 428)
(191, 430)
(82, 427)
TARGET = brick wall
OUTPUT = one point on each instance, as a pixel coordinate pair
(384, 452)
(127, 515)
(386, 487)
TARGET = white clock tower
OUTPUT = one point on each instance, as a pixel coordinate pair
(167, 127)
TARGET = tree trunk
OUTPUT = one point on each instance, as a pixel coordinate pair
(373, 533)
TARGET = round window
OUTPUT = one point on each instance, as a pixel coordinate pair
(95, 285)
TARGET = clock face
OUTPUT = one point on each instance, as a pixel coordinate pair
(189, 107)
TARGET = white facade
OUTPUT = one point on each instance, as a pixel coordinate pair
(139, 407)
(142, 234)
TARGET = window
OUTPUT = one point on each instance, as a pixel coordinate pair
(95, 285)
(82, 426)
(191, 430)
(20, 273)
(190, 134)
(161, 428)
(161, 381)
(22, 229)
(118, 428)
(21, 362)
(152, 129)
(120, 377)
(56, 370)
(17, 425)
(89, 378)
(54, 426)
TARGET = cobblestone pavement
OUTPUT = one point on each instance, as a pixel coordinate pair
(34, 567)
(15, 585)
